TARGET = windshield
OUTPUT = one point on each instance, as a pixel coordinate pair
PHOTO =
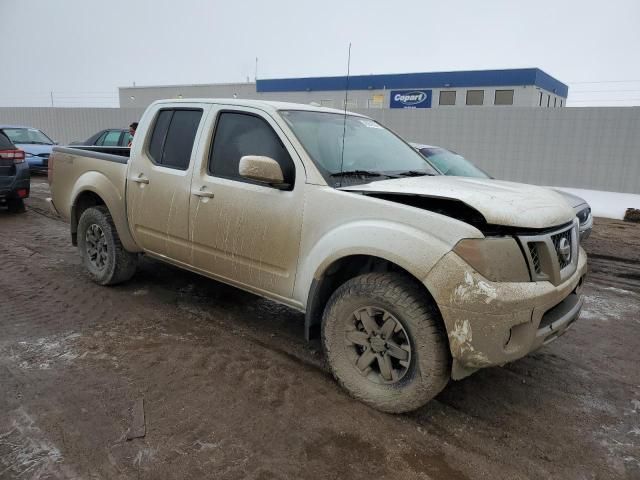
(27, 135)
(450, 163)
(371, 152)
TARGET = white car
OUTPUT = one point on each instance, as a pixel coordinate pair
(454, 164)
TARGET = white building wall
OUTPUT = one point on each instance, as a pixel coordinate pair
(141, 97)
(593, 148)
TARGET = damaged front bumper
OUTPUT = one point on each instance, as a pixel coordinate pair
(492, 323)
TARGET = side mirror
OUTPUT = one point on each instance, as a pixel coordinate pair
(262, 169)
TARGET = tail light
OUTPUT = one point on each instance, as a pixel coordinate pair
(16, 155)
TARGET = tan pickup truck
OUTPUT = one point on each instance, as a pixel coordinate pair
(411, 278)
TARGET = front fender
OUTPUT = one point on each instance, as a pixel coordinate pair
(114, 199)
(414, 250)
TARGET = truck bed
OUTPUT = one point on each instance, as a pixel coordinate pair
(77, 173)
(102, 153)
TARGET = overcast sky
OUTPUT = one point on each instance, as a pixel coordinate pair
(82, 50)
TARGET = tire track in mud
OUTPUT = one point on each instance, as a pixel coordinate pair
(230, 386)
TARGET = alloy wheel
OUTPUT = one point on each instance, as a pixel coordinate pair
(378, 345)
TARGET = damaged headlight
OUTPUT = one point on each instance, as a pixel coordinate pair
(498, 259)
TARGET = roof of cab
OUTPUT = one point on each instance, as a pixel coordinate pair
(266, 105)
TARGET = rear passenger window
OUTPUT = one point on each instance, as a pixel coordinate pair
(240, 134)
(172, 138)
(159, 135)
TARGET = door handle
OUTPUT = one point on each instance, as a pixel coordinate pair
(203, 193)
(140, 179)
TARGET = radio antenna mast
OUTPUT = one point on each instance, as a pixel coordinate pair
(344, 122)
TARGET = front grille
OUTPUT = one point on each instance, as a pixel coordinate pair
(552, 256)
(535, 257)
(558, 241)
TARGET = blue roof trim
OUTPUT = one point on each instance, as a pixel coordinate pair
(546, 81)
(479, 78)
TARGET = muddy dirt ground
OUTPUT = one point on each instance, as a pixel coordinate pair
(231, 390)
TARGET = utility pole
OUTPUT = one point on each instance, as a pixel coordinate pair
(51, 95)
(255, 78)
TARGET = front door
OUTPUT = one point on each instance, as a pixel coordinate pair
(158, 186)
(243, 231)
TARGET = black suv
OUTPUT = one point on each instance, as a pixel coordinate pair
(15, 180)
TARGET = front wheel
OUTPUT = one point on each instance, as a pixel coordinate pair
(384, 341)
(103, 255)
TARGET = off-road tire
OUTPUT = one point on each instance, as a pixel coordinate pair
(429, 368)
(16, 205)
(119, 265)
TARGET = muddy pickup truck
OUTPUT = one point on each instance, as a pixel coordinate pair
(410, 278)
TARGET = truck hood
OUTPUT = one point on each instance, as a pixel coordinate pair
(500, 203)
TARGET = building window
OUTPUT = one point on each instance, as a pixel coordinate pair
(503, 97)
(350, 103)
(548, 101)
(475, 97)
(377, 101)
(540, 102)
(447, 97)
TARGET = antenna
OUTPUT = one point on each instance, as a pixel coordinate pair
(344, 122)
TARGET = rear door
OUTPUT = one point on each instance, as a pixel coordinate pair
(159, 180)
(243, 231)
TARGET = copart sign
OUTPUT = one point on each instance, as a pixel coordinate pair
(410, 99)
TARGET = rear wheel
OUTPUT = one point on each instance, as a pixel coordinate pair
(384, 342)
(103, 255)
(16, 205)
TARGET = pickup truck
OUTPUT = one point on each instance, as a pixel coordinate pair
(409, 278)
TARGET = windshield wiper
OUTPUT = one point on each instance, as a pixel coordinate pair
(363, 173)
(415, 173)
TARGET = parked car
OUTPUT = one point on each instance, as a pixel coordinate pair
(452, 163)
(14, 175)
(36, 145)
(113, 137)
(410, 278)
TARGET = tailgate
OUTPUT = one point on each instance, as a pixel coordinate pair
(74, 170)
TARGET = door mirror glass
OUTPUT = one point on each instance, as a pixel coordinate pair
(261, 169)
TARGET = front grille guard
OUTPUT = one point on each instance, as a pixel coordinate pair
(544, 258)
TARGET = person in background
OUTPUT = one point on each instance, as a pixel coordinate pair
(132, 131)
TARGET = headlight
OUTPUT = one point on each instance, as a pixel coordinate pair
(497, 259)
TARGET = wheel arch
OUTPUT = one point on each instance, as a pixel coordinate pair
(95, 189)
(332, 276)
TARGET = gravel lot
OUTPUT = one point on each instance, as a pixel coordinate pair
(231, 390)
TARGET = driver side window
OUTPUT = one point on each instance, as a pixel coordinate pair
(239, 134)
